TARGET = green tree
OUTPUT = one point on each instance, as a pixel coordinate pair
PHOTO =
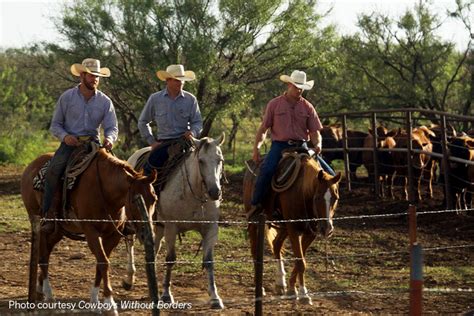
(404, 63)
(234, 46)
(25, 106)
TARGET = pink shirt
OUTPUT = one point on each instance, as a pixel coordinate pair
(288, 121)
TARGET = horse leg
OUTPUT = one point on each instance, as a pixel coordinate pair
(303, 296)
(170, 232)
(101, 248)
(277, 245)
(295, 241)
(209, 237)
(129, 280)
(48, 239)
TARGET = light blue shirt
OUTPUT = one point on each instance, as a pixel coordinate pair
(74, 116)
(172, 117)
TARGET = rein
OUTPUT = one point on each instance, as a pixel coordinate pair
(203, 184)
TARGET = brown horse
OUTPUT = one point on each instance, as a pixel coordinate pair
(313, 195)
(104, 191)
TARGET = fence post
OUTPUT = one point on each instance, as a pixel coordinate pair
(34, 257)
(259, 265)
(416, 266)
(445, 164)
(411, 182)
(347, 168)
(149, 253)
(375, 156)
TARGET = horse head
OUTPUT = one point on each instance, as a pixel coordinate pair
(210, 164)
(325, 199)
(141, 185)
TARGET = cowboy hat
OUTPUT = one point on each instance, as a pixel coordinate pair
(298, 78)
(176, 72)
(91, 66)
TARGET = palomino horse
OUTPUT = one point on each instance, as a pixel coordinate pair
(101, 193)
(192, 193)
(313, 195)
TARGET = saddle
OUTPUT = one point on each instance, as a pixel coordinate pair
(177, 153)
(288, 167)
(80, 159)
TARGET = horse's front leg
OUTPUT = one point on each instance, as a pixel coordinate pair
(209, 235)
(170, 233)
(300, 264)
(129, 280)
(101, 248)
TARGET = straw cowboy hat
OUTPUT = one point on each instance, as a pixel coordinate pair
(176, 72)
(298, 78)
(91, 66)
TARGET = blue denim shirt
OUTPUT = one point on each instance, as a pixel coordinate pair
(172, 117)
(74, 116)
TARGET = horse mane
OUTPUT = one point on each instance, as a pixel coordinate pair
(310, 175)
(117, 163)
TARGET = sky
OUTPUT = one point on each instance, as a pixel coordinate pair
(23, 22)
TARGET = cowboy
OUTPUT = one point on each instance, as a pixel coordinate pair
(176, 114)
(79, 113)
(292, 120)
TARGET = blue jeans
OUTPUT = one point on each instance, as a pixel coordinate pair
(55, 170)
(157, 158)
(269, 167)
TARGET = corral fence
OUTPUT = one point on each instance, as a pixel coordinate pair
(400, 118)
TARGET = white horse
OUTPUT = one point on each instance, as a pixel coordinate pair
(192, 193)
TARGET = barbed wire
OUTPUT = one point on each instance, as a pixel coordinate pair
(240, 222)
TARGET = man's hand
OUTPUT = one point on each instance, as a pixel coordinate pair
(108, 144)
(188, 135)
(317, 149)
(256, 155)
(71, 140)
(155, 144)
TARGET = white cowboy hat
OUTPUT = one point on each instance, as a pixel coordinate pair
(298, 78)
(91, 66)
(176, 72)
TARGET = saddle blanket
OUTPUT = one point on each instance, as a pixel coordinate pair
(39, 179)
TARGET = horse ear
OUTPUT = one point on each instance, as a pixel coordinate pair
(336, 178)
(196, 142)
(221, 139)
(152, 177)
(321, 175)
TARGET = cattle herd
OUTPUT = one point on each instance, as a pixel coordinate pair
(391, 156)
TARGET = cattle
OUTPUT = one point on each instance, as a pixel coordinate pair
(385, 140)
(461, 174)
(332, 136)
(419, 161)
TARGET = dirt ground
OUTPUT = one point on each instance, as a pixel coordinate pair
(363, 269)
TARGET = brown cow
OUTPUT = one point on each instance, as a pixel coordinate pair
(385, 139)
(461, 174)
(420, 141)
(332, 136)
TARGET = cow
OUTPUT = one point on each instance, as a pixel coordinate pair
(461, 174)
(420, 140)
(385, 139)
(333, 137)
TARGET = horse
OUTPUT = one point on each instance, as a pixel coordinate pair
(313, 196)
(192, 193)
(104, 191)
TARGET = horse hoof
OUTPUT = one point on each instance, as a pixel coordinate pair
(167, 299)
(306, 300)
(127, 286)
(216, 303)
(280, 289)
(291, 294)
